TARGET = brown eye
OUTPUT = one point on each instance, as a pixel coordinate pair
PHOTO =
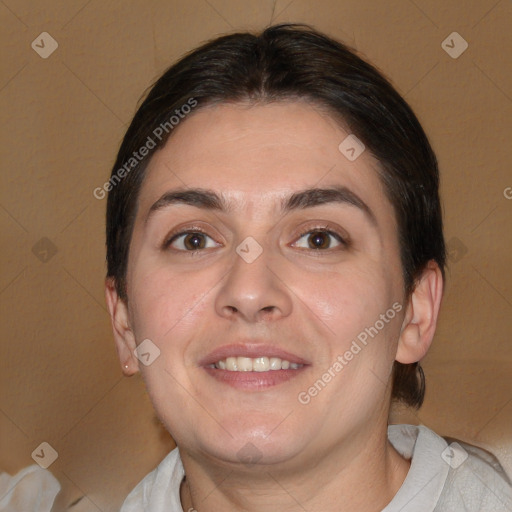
(194, 241)
(190, 241)
(320, 239)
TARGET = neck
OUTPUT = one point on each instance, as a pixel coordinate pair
(363, 474)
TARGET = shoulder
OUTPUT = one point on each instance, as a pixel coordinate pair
(158, 488)
(476, 480)
(447, 474)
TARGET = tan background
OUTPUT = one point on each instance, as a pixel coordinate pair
(63, 118)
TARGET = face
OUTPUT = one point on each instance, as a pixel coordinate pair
(274, 277)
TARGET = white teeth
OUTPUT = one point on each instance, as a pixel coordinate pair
(244, 364)
(256, 364)
(231, 364)
(261, 364)
(275, 363)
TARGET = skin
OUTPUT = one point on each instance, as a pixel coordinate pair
(332, 452)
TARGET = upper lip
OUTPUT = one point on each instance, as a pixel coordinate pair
(250, 349)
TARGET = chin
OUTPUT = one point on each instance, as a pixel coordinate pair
(252, 456)
(254, 447)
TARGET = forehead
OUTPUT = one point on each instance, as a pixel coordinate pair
(255, 154)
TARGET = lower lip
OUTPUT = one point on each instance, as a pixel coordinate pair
(254, 381)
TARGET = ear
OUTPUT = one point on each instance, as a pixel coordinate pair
(420, 321)
(123, 334)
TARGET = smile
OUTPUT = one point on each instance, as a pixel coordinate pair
(254, 364)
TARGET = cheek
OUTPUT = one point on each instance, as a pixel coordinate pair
(357, 342)
(166, 305)
(347, 301)
(363, 328)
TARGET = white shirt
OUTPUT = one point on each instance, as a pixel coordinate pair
(455, 477)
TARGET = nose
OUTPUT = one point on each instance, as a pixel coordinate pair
(255, 291)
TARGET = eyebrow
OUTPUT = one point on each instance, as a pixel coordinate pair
(209, 200)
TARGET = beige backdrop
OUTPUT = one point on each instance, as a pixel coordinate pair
(64, 116)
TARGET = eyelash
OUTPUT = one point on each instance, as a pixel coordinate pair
(342, 239)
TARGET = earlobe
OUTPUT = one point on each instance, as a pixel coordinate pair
(421, 316)
(123, 334)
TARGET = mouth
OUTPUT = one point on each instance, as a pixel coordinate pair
(253, 366)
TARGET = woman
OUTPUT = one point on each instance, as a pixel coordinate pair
(275, 271)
